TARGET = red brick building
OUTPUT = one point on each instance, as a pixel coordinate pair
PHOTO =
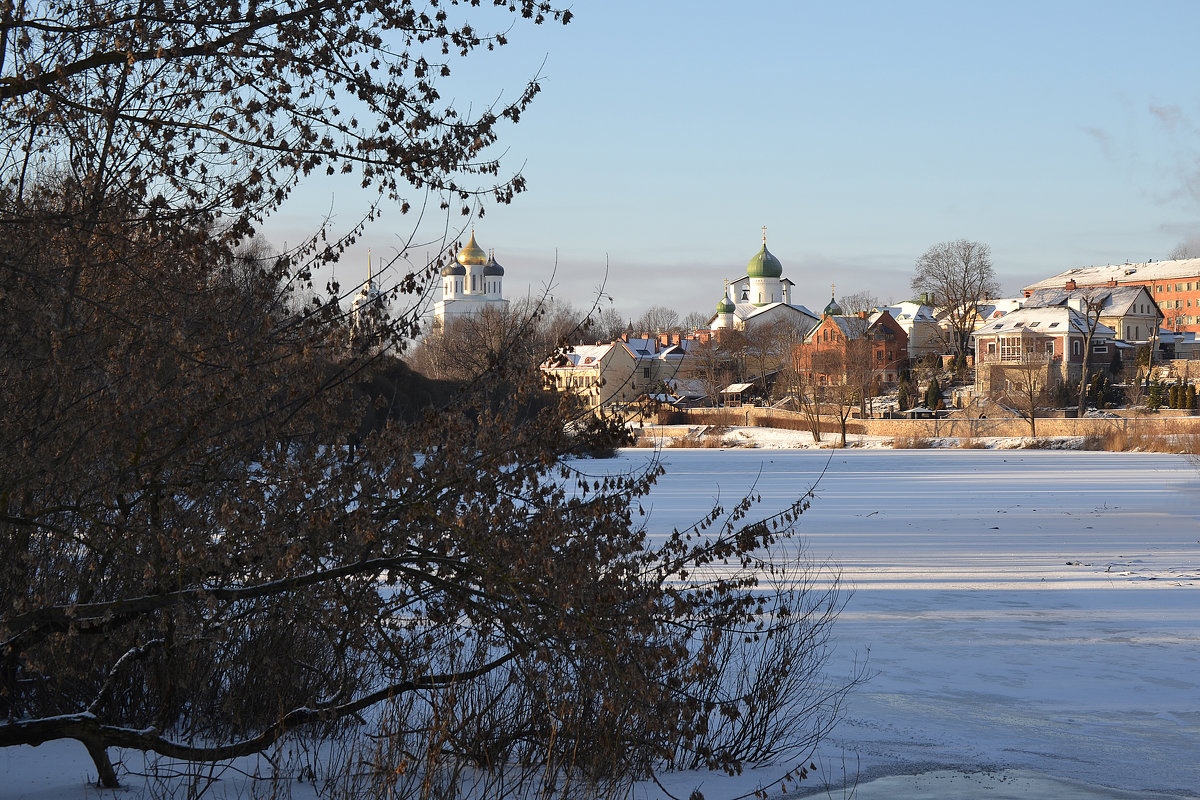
(840, 345)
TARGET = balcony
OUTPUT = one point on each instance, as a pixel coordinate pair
(1014, 359)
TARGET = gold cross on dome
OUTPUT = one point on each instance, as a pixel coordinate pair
(764, 235)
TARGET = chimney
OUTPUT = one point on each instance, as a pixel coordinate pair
(864, 314)
(1070, 285)
(1111, 282)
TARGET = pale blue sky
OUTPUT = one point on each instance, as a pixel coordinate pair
(860, 133)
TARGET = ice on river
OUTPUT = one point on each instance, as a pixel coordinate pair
(1032, 618)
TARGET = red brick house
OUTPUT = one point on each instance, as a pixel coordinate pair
(1052, 337)
(871, 348)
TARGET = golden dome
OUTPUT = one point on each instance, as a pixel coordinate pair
(472, 255)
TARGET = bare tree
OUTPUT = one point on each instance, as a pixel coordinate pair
(1024, 387)
(657, 319)
(960, 275)
(857, 302)
(808, 398)
(605, 325)
(1092, 306)
(695, 321)
(767, 347)
(838, 396)
(714, 365)
(1189, 248)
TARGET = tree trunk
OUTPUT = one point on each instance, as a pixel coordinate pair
(107, 775)
(1083, 378)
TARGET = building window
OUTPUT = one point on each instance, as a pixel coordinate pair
(645, 372)
(1076, 347)
(1010, 348)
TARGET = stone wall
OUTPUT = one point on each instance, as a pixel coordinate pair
(1165, 420)
(1017, 426)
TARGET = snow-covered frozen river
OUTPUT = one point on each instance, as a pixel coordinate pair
(1032, 620)
(1027, 613)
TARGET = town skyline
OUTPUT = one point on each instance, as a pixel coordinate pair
(665, 138)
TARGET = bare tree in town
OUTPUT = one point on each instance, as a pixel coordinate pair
(713, 367)
(657, 319)
(695, 321)
(857, 302)
(202, 550)
(1189, 248)
(1025, 386)
(1092, 306)
(838, 397)
(767, 347)
(960, 275)
(808, 398)
(605, 325)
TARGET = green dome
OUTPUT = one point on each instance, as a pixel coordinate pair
(725, 307)
(833, 309)
(764, 265)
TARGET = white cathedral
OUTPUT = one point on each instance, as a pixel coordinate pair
(761, 296)
(472, 283)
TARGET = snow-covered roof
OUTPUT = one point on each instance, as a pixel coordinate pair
(582, 355)
(643, 348)
(748, 311)
(909, 312)
(1147, 272)
(744, 311)
(998, 307)
(737, 388)
(1117, 300)
(1043, 321)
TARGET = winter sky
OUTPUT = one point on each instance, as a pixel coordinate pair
(668, 133)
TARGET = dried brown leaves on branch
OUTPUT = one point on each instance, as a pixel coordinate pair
(204, 550)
